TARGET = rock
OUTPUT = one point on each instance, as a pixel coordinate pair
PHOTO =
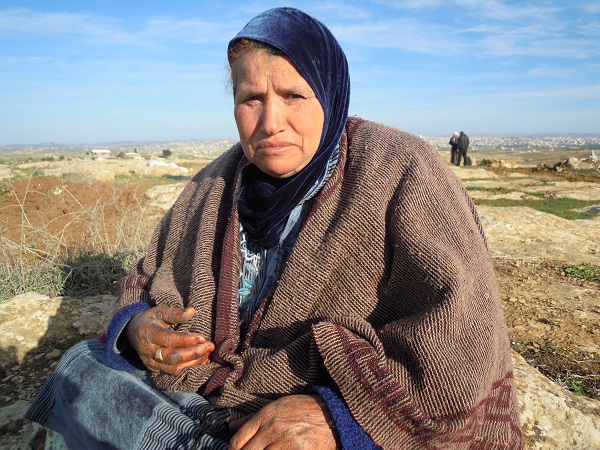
(581, 164)
(162, 197)
(572, 163)
(496, 163)
(39, 319)
(552, 417)
(54, 354)
(18, 433)
(156, 163)
(558, 239)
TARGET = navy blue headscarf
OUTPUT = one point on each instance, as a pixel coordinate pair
(265, 202)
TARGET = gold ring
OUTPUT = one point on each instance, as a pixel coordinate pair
(158, 355)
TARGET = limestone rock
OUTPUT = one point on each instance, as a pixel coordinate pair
(552, 417)
(18, 433)
(162, 197)
(572, 163)
(496, 163)
(28, 320)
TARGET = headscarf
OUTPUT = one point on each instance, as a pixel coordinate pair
(265, 202)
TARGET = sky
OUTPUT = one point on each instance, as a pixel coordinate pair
(102, 71)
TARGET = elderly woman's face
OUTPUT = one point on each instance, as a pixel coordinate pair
(278, 116)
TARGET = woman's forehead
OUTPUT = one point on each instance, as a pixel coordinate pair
(253, 66)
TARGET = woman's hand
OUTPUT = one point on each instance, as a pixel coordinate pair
(291, 422)
(162, 349)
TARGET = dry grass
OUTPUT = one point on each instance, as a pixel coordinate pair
(78, 248)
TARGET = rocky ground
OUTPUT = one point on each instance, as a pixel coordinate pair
(552, 317)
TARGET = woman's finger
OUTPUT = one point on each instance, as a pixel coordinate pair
(173, 316)
(182, 355)
(173, 339)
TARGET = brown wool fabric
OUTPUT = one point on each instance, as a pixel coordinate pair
(389, 291)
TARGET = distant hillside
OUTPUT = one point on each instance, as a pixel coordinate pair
(194, 146)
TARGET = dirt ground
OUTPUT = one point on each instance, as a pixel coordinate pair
(552, 317)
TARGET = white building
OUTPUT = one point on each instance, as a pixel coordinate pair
(100, 153)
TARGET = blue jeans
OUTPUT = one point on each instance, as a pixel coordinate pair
(96, 407)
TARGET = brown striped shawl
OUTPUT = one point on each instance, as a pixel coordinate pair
(389, 291)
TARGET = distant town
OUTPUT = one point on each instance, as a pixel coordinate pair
(500, 144)
(513, 144)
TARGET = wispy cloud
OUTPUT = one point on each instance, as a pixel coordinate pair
(102, 30)
(483, 27)
(106, 31)
(550, 72)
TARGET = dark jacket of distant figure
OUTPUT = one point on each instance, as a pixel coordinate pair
(463, 141)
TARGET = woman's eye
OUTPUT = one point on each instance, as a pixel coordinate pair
(295, 96)
(251, 99)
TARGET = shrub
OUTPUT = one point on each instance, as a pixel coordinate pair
(92, 273)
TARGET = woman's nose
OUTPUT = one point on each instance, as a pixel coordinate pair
(272, 117)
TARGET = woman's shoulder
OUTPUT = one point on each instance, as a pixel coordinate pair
(377, 140)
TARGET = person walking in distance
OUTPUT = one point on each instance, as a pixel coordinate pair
(463, 146)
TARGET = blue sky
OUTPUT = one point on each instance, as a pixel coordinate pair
(76, 71)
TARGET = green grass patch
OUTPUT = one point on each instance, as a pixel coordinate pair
(19, 276)
(575, 387)
(28, 172)
(495, 190)
(70, 176)
(558, 206)
(17, 160)
(587, 272)
(538, 183)
(134, 176)
(589, 172)
(130, 176)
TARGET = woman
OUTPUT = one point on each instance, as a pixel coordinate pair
(303, 291)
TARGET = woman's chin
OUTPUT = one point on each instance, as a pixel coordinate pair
(278, 171)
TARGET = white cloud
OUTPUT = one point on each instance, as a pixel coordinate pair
(479, 28)
(106, 31)
(550, 72)
(34, 22)
(403, 34)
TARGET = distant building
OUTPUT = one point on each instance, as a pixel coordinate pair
(100, 153)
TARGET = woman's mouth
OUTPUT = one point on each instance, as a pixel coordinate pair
(273, 147)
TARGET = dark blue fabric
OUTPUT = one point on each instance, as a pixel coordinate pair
(95, 407)
(116, 359)
(265, 202)
(351, 434)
